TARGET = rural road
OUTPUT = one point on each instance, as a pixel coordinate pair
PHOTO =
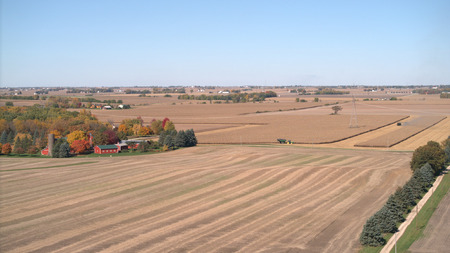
(391, 243)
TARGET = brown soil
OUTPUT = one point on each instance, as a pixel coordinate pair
(202, 199)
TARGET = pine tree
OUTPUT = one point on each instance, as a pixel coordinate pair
(35, 137)
(4, 137)
(371, 234)
(64, 150)
(181, 139)
(10, 138)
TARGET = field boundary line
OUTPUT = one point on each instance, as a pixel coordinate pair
(391, 243)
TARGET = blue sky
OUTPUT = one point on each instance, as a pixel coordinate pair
(128, 43)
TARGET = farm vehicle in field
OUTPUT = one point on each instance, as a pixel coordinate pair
(284, 141)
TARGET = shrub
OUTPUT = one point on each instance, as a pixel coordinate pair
(6, 149)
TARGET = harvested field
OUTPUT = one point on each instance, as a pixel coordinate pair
(438, 132)
(300, 128)
(403, 132)
(202, 199)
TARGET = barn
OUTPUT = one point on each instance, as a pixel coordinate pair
(106, 149)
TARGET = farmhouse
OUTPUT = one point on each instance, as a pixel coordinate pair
(106, 149)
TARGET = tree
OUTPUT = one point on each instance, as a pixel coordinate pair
(431, 153)
(157, 127)
(80, 146)
(9, 103)
(169, 126)
(6, 148)
(371, 234)
(181, 139)
(111, 136)
(165, 120)
(64, 150)
(191, 139)
(10, 138)
(100, 138)
(76, 135)
(169, 142)
(336, 109)
(4, 137)
(316, 99)
(143, 146)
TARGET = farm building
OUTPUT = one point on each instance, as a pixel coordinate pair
(122, 146)
(106, 149)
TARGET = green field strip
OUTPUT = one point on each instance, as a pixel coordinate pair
(50, 167)
(316, 159)
(335, 160)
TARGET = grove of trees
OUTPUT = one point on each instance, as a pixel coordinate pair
(428, 161)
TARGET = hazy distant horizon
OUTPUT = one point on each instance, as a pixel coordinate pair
(51, 43)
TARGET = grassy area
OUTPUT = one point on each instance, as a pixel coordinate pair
(49, 167)
(387, 237)
(24, 155)
(418, 225)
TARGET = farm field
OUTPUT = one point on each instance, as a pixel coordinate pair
(217, 198)
(407, 129)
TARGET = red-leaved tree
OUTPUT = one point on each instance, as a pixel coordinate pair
(111, 136)
(80, 146)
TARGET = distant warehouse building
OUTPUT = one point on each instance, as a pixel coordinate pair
(106, 149)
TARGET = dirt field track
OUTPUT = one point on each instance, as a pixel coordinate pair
(201, 199)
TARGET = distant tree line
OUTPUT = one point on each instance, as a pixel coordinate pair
(329, 91)
(90, 90)
(235, 98)
(427, 162)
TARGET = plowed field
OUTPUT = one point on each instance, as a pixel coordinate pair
(202, 199)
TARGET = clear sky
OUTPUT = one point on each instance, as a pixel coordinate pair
(212, 42)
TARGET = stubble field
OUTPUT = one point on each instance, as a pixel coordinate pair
(202, 199)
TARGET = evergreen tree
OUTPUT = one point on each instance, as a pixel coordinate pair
(371, 234)
(64, 150)
(10, 138)
(169, 141)
(4, 137)
(191, 139)
(181, 139)
(386, 220)
(35, 137)
(17, 144)
(162, 137)
(26, 143)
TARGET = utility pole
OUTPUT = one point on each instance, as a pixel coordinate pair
(354, 117)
